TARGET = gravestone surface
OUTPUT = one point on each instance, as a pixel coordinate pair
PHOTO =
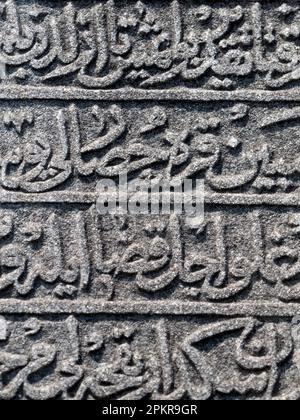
(149, 306)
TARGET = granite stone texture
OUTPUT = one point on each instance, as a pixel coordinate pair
(112, 307)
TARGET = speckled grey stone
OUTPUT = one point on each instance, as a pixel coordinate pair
(149, 306)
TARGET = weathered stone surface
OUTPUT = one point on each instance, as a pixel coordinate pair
(148, 306)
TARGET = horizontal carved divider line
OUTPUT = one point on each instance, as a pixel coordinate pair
(292, 200)
(125, 94)
(93, 307)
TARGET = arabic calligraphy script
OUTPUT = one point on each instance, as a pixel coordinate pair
(108, 44)
(149, 200)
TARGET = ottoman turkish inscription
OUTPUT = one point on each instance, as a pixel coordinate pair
(149, 307)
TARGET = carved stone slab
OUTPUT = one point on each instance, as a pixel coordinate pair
(148, 306)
